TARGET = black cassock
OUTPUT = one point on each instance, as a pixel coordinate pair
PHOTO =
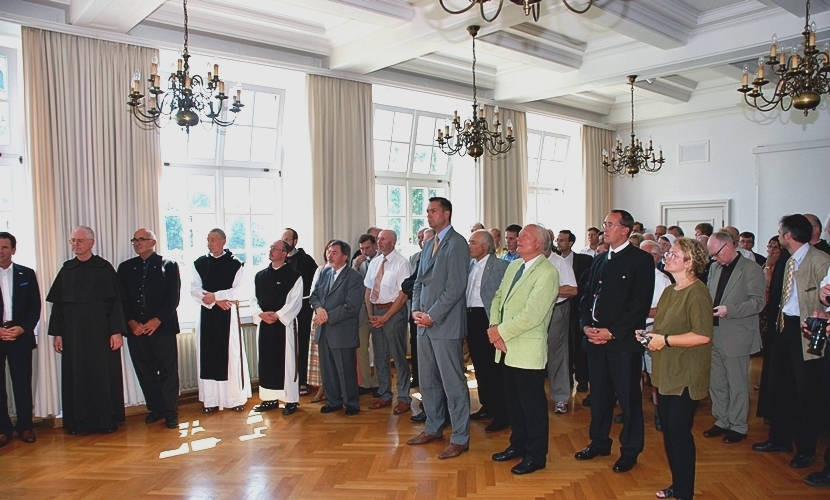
(271, 288)
(87, 310)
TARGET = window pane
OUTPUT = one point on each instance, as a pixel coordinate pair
(171, 190)
(395, 202)
(399, 157)
(417, 224)
(260, 260)
(264, 145)
(546, 172)
(263, 196)
(419, 201)
(433, 192)
(561, 149)
(548, 148)
(402, 127)
(421, 160)
(236, 227)
(395, 224)
(532, 170)
(201, 143)
(533, 145)
(383, 124)
(174, 232)
(5, 189)
(200, 225)
(380, 200)
(427, 130)
(382, 156)
(262, 229)
(238, 143)
(237, 195)
(201, 192)
(266, 109)
(173, 143)
(244, 117)
(439, 162)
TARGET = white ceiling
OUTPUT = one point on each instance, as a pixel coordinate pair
(687, 53)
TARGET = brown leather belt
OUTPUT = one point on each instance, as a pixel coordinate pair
(383, 306)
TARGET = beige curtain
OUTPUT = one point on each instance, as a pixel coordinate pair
(597, 181)
(342, 159)
(504, 179)
(91, 165)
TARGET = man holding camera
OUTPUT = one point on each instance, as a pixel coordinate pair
(793, 414)
(822, 477)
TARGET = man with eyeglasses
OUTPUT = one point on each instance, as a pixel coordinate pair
(152, 287)
(87, 321)
(738, 291)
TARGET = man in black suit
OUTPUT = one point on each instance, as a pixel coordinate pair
(815, 237)
(151, 295)
(746, 240)
(616, 302)
(20, 307)
(580, 263)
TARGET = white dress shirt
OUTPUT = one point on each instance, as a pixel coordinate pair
(395, 271)
(6, 282)
(566, 273)
(474, 282)
(791, 308)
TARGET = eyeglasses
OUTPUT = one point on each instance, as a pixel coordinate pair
(72, 241)
(670, 255)
(139, 240)
(277, 249)
(610, 224)
(715, 255)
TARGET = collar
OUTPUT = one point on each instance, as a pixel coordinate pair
(799, 254)
(530, 262)
(619, 248)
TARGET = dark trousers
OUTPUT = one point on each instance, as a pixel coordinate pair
(488, 372)
(578, 356)
(339, 370)
(527, 408)
(795, 391)
(156, 362)
(20, 369)
(677, 416)
(303, 337)
(826, 380)
(616, 375)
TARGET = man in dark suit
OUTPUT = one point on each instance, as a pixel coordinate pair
(484, 278)
(617, 299)
(20, 308)
(736, 285)
(815, 237)
(152, 288)
(580, 263)
(746, 240)
(337, 299)
(439, 309)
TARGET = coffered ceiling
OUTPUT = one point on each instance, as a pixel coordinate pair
(688, 53)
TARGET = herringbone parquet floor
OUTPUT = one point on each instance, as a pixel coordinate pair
(308, 455)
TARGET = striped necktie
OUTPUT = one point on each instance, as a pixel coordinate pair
(787, 292)
(435, 242)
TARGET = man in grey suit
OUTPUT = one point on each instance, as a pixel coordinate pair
(738, 292)
(439, 310)
(337, 299)
(484, 278)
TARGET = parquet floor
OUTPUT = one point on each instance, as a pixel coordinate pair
(309, 455)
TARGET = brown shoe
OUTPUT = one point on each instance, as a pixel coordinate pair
(401, 408)
(4, 440)
(380, 403)
(453, 450)
(424, 438)
(28, 436)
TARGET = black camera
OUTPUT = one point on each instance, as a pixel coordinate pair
(643, 338)
(818, 335)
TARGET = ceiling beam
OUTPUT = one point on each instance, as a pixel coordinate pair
(112, 15)
(798, 7)
(662, 91)
(531, 51)
(639, 23)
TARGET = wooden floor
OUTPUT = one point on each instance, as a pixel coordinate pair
(309, 455)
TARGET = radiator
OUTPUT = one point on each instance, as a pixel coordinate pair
(189, 377)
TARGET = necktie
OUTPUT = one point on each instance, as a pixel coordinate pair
(787, 291)
(373, 297)
(435, 242)
(515, 279)
(610, 255)
(331, 281)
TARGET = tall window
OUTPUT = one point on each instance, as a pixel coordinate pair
(409, 169)
(546, 176)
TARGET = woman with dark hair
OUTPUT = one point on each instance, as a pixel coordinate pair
(774, 254)
(681, 357)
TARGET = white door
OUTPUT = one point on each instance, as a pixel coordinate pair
(689, 214)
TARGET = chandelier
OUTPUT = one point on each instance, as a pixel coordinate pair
(802, 78)
(475, 135)
(635, 156)
(529, 6)
(187, 99)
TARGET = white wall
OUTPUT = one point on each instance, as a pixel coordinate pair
(731, 170)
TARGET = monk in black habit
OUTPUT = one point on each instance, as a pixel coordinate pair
(87, 320)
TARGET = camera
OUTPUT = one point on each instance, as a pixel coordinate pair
(818, 335)
(643, 338)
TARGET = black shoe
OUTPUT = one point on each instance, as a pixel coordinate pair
(376, 393)
(419, 418)
(582, 387)
(364, 390)
(587, 400)
(290, 408)
(619, 418)
(527, 466)
(590, 452)
(352, 410)
(768, 446)
(801, 461)
(480, 415)
(715, 431)
(329, 409)
(267, 405)
(624, 464)
(153, 417)
(72, 432)
(109, 430)
(508, 454)
(497, 425)
(657, 424)
(733, 437)
(820, 478)
(172, 422)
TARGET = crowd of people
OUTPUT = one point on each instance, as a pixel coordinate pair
(690, 311)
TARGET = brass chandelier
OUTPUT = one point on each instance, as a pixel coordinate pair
(475, 135)
(635, 156)
(802, 78)
(530, 7)
(187, 100)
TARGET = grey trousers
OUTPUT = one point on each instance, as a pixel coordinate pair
(729, 390)
(364, 365)
(391, 341)
(444, 386)
(558, 361)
